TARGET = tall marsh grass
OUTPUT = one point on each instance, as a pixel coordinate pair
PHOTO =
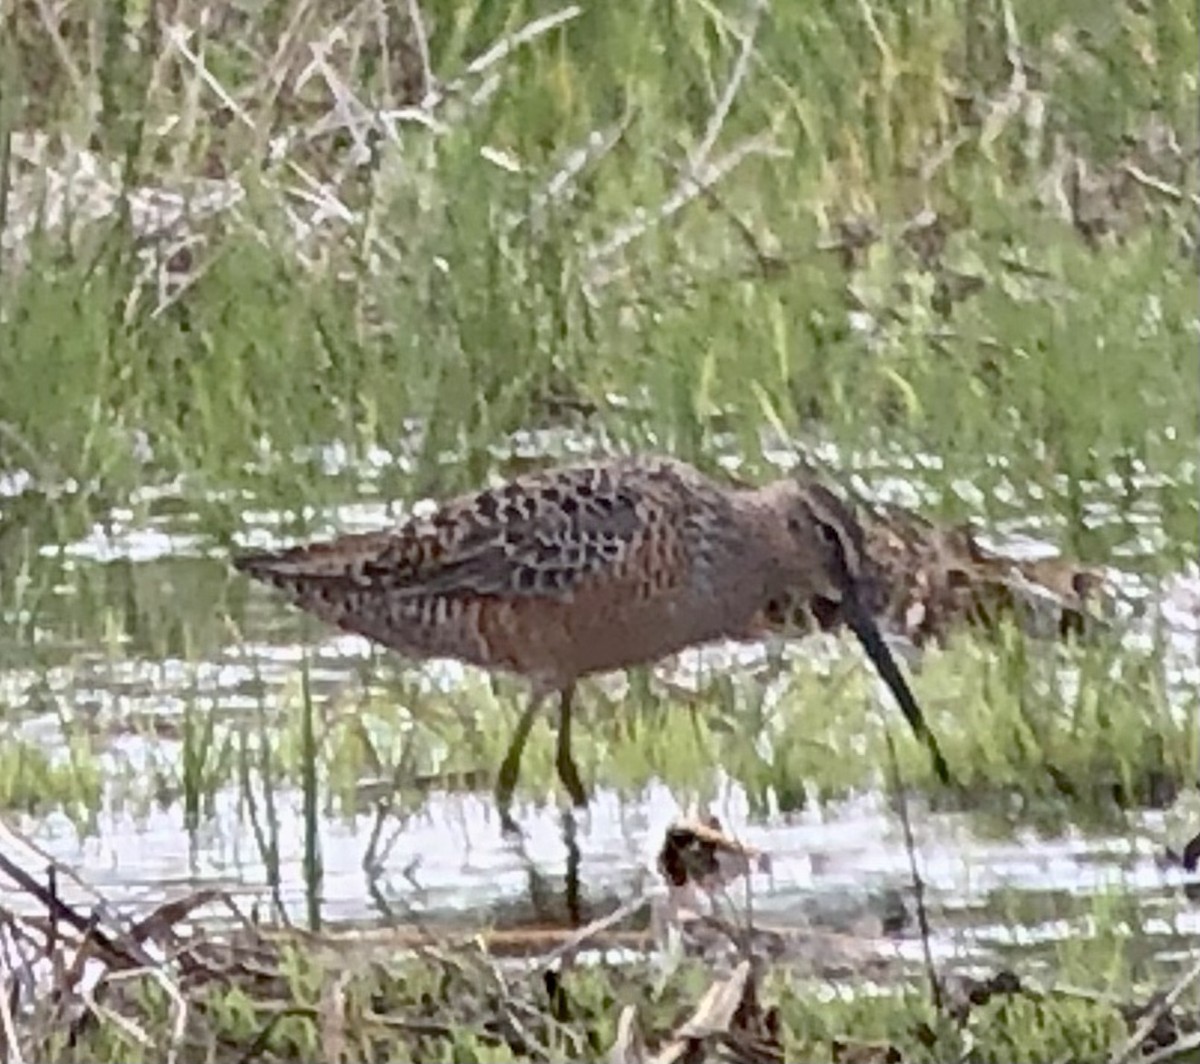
(871, 223)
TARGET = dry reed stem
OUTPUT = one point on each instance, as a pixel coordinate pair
(1153, 1015)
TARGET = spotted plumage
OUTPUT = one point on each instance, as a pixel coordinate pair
(562, 573)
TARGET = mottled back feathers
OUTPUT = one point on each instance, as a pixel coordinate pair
(541, 535)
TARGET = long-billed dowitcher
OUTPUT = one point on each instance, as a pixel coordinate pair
(584, 569)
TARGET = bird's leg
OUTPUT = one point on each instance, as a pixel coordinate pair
(510, 768)
(567, 772)
(574, 858)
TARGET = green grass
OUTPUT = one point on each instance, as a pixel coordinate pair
(999, 724)
(438, 322)
(444, 1006)
(1018, 735)
(469, 321)
(1026, 315)
(37, 782)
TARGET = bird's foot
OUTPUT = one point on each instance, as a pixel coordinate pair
(508, 826)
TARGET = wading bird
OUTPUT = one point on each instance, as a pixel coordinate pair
(566, 572)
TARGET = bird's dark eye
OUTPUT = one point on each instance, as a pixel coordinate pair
(829, 535)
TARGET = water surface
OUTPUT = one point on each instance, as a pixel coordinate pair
(107, 647)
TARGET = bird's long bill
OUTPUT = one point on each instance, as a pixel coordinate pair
(863, 625)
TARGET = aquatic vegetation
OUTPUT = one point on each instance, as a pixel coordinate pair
(260, 276)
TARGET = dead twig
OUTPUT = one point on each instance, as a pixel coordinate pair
(1148, 1022)
(628, 1047)
(12, 1044)
(564, 954)
(1004, 109)
(700, 174)
(502, 49)
(716, 121)
(118, 954)
(1177, 1050)
(132, 1029)
(1157, 184)
(421, 40)
(562, 182)
(712, 1016)
(689, 189)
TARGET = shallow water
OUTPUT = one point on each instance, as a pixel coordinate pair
(837, 866)
(842, 869)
